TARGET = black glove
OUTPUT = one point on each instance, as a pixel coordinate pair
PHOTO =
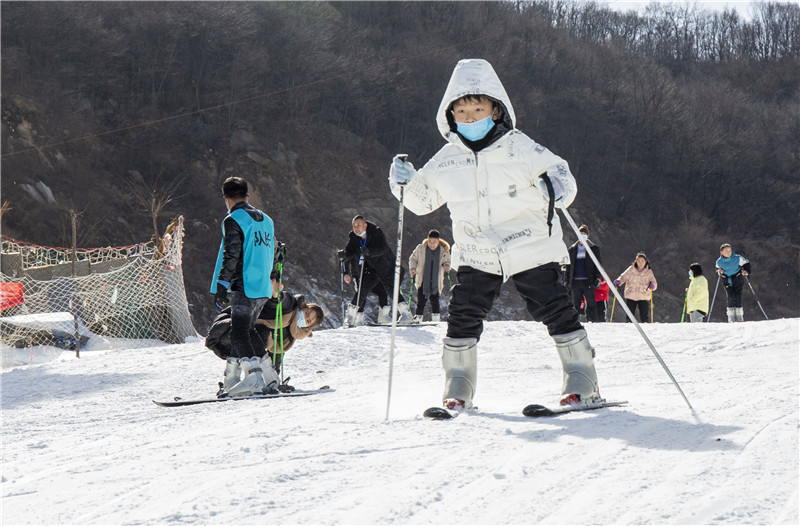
(342, 255)
(364, 251)
(280, 251)
(221, 297)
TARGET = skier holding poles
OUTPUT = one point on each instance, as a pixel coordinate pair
(367, 248)
(501, 189)
(430, 261)
(734, 269)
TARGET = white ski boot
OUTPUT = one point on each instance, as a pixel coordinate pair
(436, 318)
(404, 315)
(351, 315)
(271, 379)
(577, 361)
(731, 314)
(460, 361)
(253, 381)
(232, 376)
(385, 315)
(739, 313)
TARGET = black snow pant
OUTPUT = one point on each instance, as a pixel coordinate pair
(644, 308)
(600, 307)
(370, 283)
(734, 296)
(245, 340)
(546, 300)
(581, 290)
(421, 299)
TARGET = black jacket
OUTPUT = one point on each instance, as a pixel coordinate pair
(380, 260)
(594, 276)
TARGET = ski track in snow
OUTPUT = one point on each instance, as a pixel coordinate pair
(82, 443)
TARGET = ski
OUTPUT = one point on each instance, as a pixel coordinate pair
(179, 402)
(442, 413)
(422, 324)
(536, 410)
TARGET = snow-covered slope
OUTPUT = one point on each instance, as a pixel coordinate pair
(82, 443)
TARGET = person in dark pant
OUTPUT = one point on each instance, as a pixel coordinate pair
(428, 265)
(733, 268)
(369, 257)
(243, 268)
(640, 282)
(582, 274)
(501, 189)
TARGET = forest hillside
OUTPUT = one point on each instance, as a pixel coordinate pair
(681, 126)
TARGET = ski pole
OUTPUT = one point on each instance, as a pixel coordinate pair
(685, 298)
(358, 288)
(708, 319)
(396, 289)
(613, 304)
(624, 306)
(410, 292)
(279, 322)
(651, 307)
(754, 294)
(341, 287)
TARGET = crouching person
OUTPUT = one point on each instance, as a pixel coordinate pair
(296, 321)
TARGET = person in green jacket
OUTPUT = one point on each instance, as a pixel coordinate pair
(697, 294)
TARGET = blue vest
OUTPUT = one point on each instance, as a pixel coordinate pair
(259, 253)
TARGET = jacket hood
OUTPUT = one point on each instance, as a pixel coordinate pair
(473, 76)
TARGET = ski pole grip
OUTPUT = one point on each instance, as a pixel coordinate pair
(403, 157)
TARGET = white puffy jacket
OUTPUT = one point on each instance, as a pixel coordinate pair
(499, 213)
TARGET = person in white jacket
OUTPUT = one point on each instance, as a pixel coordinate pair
(501, 188)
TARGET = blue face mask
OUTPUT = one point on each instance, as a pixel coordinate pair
(475, 131)
(691, 274)
(584, 237)
(301, 319)
(363, 234)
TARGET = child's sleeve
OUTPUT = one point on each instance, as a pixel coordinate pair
(420, 195)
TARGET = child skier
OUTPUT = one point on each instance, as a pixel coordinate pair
(697, 294)
(501, 188)
(733, 268)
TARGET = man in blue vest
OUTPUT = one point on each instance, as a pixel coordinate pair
(243, 268)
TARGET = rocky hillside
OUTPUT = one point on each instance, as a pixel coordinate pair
(105, 104)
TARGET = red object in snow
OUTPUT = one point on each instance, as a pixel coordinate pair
(10, 295)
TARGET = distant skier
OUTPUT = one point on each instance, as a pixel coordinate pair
(697, 294)
(367, 247)
(601, 300)
(244, 264)
(427, 265)
(501, 188)
(582, 274)
(640, 282)
(733, 268)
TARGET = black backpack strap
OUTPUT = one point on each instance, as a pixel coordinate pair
(551, 206)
